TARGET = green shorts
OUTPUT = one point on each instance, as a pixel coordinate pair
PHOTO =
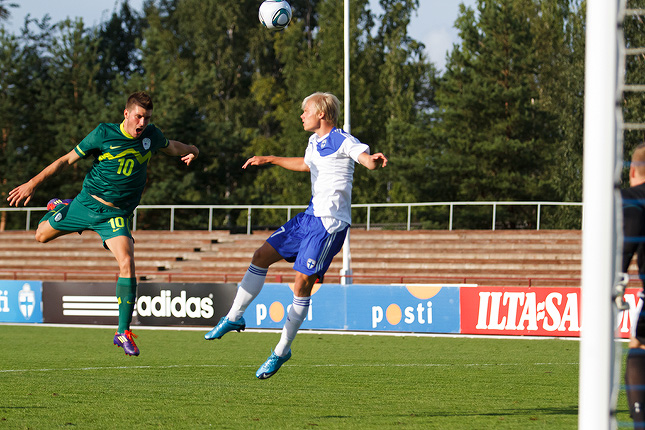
(87, 213)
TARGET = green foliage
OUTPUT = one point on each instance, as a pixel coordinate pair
(634, 102)
(503, 122)
(5, 13)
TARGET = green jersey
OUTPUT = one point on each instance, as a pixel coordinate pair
(118, 174)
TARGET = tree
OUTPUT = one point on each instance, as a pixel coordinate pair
(10, 150)
(4, 9)
(197, 68)
(561, 48)
(497, 134)
(118, 49)
(405, 95)
(504, 122)
(390, 87)
(634, 101)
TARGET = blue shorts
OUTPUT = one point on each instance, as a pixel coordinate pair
(304, 241)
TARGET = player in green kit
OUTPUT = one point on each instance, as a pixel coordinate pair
(111, 191)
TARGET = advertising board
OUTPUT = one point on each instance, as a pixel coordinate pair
(21, 301)
(413, 308)
(520, 311)
(157, 304)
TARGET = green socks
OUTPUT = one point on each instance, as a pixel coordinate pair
(126, 295)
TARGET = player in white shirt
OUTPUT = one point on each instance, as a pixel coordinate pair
(312, 238)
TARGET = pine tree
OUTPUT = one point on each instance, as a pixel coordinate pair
(498, 133)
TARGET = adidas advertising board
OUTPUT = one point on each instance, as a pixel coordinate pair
(81, 303)
(157, 304)
(21, 301)
(183, 304)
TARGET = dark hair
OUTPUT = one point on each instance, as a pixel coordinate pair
(140, 98)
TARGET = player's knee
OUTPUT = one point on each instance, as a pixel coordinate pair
(42, 237)
(126, 265)
(304, 284)
(257, 257)
(261, 258)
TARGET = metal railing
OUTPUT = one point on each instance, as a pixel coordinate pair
(289, 208)
(210, 277)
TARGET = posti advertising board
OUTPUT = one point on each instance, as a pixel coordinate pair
(403, 308)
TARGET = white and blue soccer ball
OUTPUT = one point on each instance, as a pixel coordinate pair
(275, 14)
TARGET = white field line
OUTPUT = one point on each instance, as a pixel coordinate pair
(188, 366)
(305, 331)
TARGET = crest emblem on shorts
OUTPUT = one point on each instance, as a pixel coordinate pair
(146, 143)
(311, 263)
(58, 217)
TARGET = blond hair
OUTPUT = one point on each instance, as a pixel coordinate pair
(325, 103)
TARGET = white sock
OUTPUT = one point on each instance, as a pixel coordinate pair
(249, 288)
(295, 317)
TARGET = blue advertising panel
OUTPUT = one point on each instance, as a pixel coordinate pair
(270, 307)
(21, 301)
(405, 308)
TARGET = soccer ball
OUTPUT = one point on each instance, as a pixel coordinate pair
(275, 14)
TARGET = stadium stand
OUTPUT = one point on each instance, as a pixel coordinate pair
(483, 257)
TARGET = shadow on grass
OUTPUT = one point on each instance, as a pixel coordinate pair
(564, 410)
(23, 407)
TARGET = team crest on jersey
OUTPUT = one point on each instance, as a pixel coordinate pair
(311, 263)
(146, 143)
(322, 144)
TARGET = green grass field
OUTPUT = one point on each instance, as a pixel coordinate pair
(59, 377)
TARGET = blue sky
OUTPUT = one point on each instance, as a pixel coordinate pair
(432, 24)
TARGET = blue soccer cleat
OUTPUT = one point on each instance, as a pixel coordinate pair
(224, 326)
(125, 340)
(272, 365)
(51, 205)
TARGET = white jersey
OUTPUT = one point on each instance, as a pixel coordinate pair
(331, 161)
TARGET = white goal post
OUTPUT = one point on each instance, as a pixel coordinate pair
(601, 202)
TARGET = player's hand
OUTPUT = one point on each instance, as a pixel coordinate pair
(188, 158)
(373, 161)
(379, 159)
(256, 161)
(18, 194)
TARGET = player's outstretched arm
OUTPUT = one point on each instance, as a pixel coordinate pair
(26, 191)
(187, 152)
(296, 164)
(373, 161)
